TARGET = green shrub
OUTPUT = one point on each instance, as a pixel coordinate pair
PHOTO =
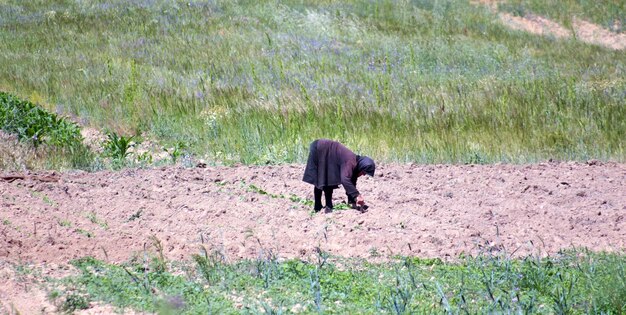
(32, 123)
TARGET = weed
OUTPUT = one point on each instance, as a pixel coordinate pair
(117, 146)
(210, 266)
(54, 294)
(43, 197)
(144, 158)
(316, 289)
(135, 215)
(176, 151)
(94, 219)
(84, 232)
(75, 302)
(50, 141)
(373, 252)
(159, 262)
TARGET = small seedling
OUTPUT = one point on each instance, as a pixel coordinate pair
(135, 215)
(144, 158)
(92, 217)
(84, 232)
(374, 252)
(117, 146)
(253, 188)
(342, 206)
(43, 197)
(300, 200)
(177, 151)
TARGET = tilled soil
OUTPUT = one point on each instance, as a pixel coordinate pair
(422, 210)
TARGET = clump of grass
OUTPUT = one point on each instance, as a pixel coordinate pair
(74, 302)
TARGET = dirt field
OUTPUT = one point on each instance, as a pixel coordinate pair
(47, 219)
(424, 210)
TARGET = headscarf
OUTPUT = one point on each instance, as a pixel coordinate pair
(365, 164)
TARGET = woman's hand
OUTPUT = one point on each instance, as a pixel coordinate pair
(360, 201)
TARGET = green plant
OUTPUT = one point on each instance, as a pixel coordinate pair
(144, 158)
(135, 215)
(117, 146)
(57, 142)
(74, 302)
(84, 232)
(36, 125)
(94, 219)
(176, 151)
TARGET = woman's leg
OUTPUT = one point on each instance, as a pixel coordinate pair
(328, 195)
(351, 200)
(317, 193)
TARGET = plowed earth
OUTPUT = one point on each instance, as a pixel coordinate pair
(423, 210)
(47, 219)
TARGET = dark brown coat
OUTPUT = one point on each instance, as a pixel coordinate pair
(331, 164)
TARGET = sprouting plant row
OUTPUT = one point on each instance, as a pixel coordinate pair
(575, 281)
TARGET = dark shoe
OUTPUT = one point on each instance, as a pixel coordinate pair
(328, 209)
(363, 208)
(316, 209)
(359, 208)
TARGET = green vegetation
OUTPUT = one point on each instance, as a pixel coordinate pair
(572, 282)
(94, 219)
(48, 133)
(32, 123)
(64, 223)
(609, 14)
(255, 82)
(117, 146)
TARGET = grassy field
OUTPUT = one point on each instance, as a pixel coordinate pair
(610, 14)
(255, 82)
(573, 282)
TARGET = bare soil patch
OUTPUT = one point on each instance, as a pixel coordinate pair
(47, 219)
(423, 210)
(582, 30)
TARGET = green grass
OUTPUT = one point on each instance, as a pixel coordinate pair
(572, 282)
(610, 14)
(256, 82)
